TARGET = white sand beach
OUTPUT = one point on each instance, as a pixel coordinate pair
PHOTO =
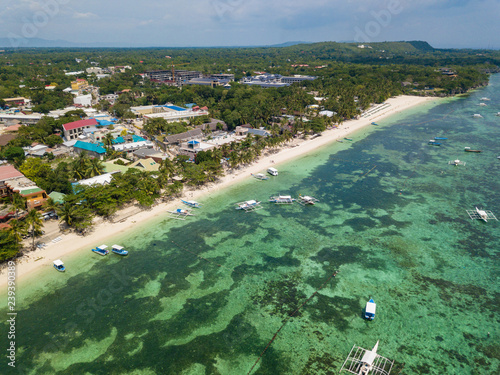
(71, 242)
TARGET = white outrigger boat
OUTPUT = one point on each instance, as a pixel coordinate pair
(484, 215)
(363, 362)
(59, 265)
(101, 250)
(282, 199)
(456, 162)
(477, 115)
(306, 199)
(193, 204)
(272, 171)
(370, 309)
(260, 176)
(120, 250)
(250, 205)
(180, 213)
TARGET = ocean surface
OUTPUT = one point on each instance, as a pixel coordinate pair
(207, 295)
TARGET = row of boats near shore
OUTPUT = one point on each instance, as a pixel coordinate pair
(100, 250)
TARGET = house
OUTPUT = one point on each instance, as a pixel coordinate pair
(7, 172)
(19, 101)
(148, 165)
(6, 138)
(73, 129)
(131, 147)
(191, 148)
(178, 138)
(83, 100)
(149, 153)
(79, 84)
(91, 148)
(35, 197)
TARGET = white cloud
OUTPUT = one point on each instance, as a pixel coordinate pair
(79, 15)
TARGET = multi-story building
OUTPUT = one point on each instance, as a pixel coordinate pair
(79, 84)
(179, 77)
(74, 129)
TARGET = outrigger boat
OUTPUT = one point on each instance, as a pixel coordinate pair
(348, 139)
(477, 115)
(193, 204)
(260, 176)
(485, 98)
(484, 215)
(59, 265)
(361, 361)
(250, 205)
(101, 250)
(456, 162)
(370, 308)
(468, 149)
(272, 171)
(282, 199)
(306, 199)
(120, 250)
(440, 138)
(433, 142)
(374, 123)
(180, 214)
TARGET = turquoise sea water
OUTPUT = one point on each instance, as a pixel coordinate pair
(207, 295)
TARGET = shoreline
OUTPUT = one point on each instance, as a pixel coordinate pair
(102, 230)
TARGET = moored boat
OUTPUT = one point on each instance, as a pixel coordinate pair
(306, 199)
(433, 142)
(191, 203)
(101, 250)
(468, 149)
(440, 138)
(260, 176)
(370, 308)
(250, 205)
(477, 115)
(282, 199)
(348, 139)
(59, 265)
(120, 250)
(482, 214)
(272, 171)
(180, 213)
(374, 123)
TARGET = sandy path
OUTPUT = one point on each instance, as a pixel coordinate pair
(71, 242)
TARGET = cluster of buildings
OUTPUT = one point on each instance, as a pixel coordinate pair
(181, 78)
(274, 80)
(169, 112)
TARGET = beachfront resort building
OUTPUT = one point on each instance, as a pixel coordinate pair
(14, 182)
(274, 80)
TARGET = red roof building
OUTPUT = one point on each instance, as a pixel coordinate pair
(73, 129)
(7, 172)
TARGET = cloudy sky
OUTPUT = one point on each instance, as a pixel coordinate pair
(443, 23)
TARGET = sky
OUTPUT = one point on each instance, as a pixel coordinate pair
(186, 23)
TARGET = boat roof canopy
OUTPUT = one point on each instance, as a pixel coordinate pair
(117, 247)
(253, 201)
(272, 169)
(371, 307)
(58, 262)
(370, 355)
(102, 247)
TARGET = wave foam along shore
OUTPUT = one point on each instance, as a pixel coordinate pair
(72, 242)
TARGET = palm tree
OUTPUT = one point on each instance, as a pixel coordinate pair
(108, 140)
(18, 202)
(17, 230)
(167, 170)
(35, 224)
(67, 213)
(94, 168)
(50, 205)
(79, 166)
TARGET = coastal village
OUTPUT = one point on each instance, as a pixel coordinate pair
(100, 157)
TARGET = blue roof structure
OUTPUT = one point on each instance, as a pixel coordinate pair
(175, 108)
(136, 138)
(193, 143)
(118, 140)
(90, 147)
(104, 122)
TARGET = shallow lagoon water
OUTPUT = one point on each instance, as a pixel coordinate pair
(206, 295)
